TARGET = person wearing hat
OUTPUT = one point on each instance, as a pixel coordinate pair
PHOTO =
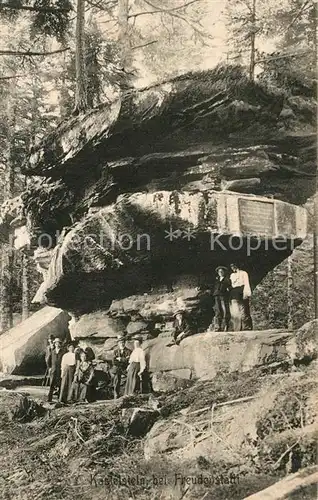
(54, 363)
(136, 368)
(240, 299)
(182, 328)
(48, 350)
(120, 364)
(221, 294)
(68, 366)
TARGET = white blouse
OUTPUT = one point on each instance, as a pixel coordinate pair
(240, 278)
(68, 360)
(138, 356)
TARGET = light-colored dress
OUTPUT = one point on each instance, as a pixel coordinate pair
(137, 365)
(67, 372)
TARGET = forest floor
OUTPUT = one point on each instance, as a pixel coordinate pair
(86, 451)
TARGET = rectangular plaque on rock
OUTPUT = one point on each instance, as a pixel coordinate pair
(256, 217)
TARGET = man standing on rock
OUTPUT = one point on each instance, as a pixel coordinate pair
(240, 299)
(221, 296)
(54, 363)
(120, 364)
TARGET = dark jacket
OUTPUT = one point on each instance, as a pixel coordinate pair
(48, 352)
(54, 362)
(222, 287)
(184, 326)
(84, 373)
(121, 363)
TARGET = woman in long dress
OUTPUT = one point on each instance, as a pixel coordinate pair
(83, 388)
(67, 373)
(136, 368)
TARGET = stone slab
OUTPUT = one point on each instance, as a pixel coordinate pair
(209, 353)
(22, 348)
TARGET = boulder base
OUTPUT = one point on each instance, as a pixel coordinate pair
(18, 407)
(210, 353)
(97, 324)
(139, 420)
(303, 345)
(22, 348)
(166, 382)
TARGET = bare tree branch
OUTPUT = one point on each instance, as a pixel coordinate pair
(102, 5)
(158, 10)
(29, 53)
(282, 56)
(30, 8)
(144, 45)
(193, 24)
(301, 10)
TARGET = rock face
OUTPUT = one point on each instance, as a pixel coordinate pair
(208, 354)
(22, 348)
(147, 240)
(139, 420)
(165, 382)
(262, 425)
(295, 485)
(18, 407)
(96, 325)
(151, 192)
(239, 132)
(302, 347)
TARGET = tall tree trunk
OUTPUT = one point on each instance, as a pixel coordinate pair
(290, 308)
(6, 311)
(7, 252)
(315, 236)
(81, 80)
(25, 286)
(123, 34)
(253, 38)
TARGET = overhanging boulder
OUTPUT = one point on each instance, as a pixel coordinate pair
(146, 240)
(174, 114)
(22, 348)
(207, 130)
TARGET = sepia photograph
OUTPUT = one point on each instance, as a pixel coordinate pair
(158, 250)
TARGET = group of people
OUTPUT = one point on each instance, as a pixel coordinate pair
(231, 297)
(71, 372)
(232, 294)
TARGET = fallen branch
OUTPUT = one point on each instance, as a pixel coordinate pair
(234, 401)
(277, 463)
(288, 485)
(191, 428)
(215, 405)
(185, 492)
(144, 45)
(198, 412)
(76, 431)
(212, 415)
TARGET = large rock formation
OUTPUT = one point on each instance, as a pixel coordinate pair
(145, 241)
(139, 200)
(201, 131)
(22, 348)
(209, 354)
